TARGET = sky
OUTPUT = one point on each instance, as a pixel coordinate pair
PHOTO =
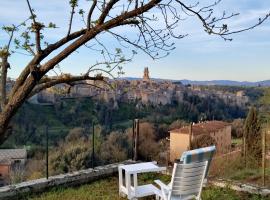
(196, 57)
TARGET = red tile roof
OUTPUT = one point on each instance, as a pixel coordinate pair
(203, 128)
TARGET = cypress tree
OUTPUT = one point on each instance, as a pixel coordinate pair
(252, 133)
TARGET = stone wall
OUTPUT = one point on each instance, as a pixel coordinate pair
(77, 178)
(241, 187)
(64, 180)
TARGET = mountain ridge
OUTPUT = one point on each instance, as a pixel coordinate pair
(210, 82)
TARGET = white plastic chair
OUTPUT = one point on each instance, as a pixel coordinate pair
(186, 182)
(199, 155)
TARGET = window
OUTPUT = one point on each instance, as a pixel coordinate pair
(17, 161)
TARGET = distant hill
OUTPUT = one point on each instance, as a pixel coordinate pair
(212, 82)
(227, 82)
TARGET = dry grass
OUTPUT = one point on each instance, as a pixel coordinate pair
(107, 189)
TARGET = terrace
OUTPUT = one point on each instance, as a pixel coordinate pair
(102, 183)
(108, 189)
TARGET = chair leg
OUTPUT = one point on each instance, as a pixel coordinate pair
(121, 194)
(159, 197)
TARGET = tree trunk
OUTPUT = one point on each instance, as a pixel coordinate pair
(4, 67)
(12, 107)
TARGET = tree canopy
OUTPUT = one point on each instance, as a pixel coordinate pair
(252, 133)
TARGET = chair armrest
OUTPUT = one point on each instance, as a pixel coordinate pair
(162, 185)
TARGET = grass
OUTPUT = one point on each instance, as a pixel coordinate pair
(245, 173)
(233, 168)
(107, 189)
(253, 176)
(237, 141)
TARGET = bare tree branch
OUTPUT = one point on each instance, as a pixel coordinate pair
(38, 58)
(71, 18)
(106, 11)
(4, 68)
(90, 14)
(211, 28)
(33, 16)
(11, 37)
(93, 32)
(47, 83)
(36, 26)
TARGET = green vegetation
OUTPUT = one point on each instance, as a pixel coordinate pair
(264, 106)
(70, 132)
(213, 193)
(29, 123)
(232, 167)
(108, 189)
(237, 141)
(243, 174)
(253, 93)
(252, 134)
(75, 152)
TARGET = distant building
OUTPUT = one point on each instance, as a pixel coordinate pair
(146, 90)
(10, 159)
(218, 130)
(240, 93)
(146, 74)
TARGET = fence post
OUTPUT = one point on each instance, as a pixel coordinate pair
(263, 155)
(190, 135)
(133, 139)
(47, 151)
(136, 141)
(244, 150)
(93, 144)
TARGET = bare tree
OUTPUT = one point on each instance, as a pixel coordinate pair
(153, 23)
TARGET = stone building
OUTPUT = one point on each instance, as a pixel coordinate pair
(145, 90)
(218, 130)
(11, 159)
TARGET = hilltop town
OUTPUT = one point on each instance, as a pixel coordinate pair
(144, 91)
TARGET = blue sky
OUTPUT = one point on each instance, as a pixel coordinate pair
(196, 57)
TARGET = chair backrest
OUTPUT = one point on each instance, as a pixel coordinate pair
(187, 180)
(199, 155)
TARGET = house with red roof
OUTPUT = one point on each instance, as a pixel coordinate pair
(180, 139)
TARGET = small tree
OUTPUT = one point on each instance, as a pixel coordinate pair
(237, 128)
(70, 157)
(149, 146)
(114, 148)
(75, 134)
(17, 174)
(201, 141)
(265, 106)
(252, 135)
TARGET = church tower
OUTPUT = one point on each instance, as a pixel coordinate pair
(146, 74)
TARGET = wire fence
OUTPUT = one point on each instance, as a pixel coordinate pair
(91, 147)
(242, 167)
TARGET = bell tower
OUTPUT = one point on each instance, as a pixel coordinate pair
(146, 74)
